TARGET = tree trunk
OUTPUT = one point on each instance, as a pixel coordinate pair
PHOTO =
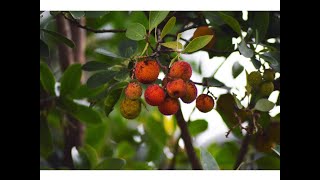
(74, 129)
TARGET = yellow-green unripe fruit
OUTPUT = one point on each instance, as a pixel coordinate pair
(130, 109)
(269, 75)
(254, 79)
(266, 88)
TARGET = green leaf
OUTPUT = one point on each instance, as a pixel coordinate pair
(100, 78)
(46, 146)
(81, 112)
(197, 126)
(244, 50)
(256, 63)
(225, 107)
(238, 103)
(44, 49)
(271, 57)
(113, 96)
(172, 45)
(95, 66)
(233, 23)
(277, 149)
(155, 18)
(237, 68)
(111, 164)
(85, 92)
(136, 31)
(207, 160)
(59, 37)
(156, 131)
(70, 79)
(77, 14)
(91, 154)
(108, 53)
(80, 159)
(168, 27)
(198, 43)
(264, 105)
(122, 75)
(268, 163)
(261, 23)
(213, 82)
(95, 14)
(125, 150)
(128, 48)
(47, 79)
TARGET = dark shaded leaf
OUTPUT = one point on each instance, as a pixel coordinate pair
(244, 50)
(70, 79)
(85, 92)
(107, 53)
(213, 82)
(256, 63)
(46, 146)
(128, 48)
(261, 23)
(95, 14)
(111, 164)
(47, 79)
(81, 112)
(225, 107)
(233, 23)
(100, 78)
(237, 68)
(59, 37)
(95, 66)
(44, 49)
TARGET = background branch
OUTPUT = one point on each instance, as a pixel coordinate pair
(185, 135)
(75, 22)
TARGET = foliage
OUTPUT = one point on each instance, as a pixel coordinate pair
(113, 142)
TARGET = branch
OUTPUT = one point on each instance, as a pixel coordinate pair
(185, 135)
(75, 22)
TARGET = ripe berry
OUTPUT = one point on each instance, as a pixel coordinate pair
(169, 106)
(204, 103)
(154, 95)
(176, 88)
(133, 91)
(191, 93)
(147, 71)
(180, 69)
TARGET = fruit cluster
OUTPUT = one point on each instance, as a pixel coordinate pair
(176, 84)
(263, 84)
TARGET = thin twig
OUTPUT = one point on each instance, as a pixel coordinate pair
(93, 30)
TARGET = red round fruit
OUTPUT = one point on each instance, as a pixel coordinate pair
(176, 88)
(191, 93)
(154, 95)
(181, 69)
(147, 71)
(204, 103)
(169, 106)
(133, 91)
